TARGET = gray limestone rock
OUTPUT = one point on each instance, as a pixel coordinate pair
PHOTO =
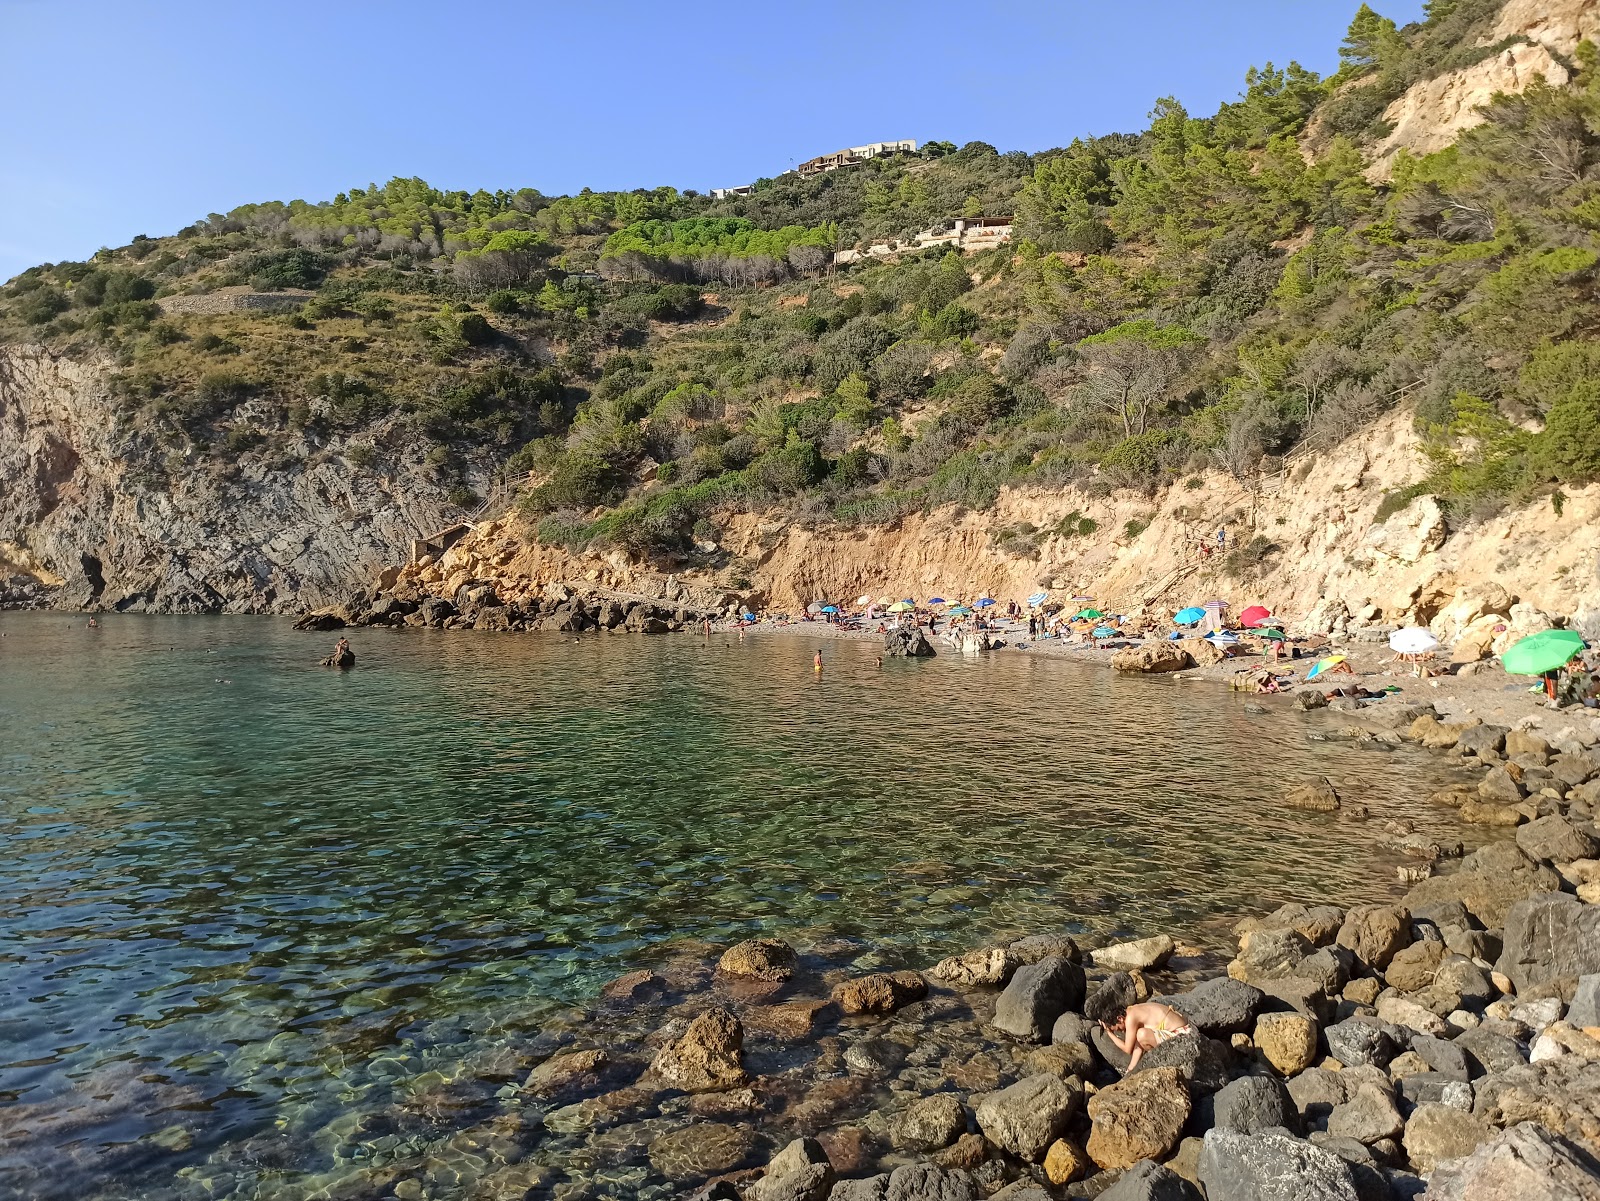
(1272, 1166)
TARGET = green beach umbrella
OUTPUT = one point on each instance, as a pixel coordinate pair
(1273, 635)
(1543, 652)
(1088, 614)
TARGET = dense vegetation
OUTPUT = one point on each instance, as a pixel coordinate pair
(1209, 292)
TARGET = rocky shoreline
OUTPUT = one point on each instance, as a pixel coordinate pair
(1445, 1045)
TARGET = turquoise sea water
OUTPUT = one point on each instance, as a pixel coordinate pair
(238, 893)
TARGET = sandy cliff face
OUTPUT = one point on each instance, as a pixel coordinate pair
(1329, 564)
(86, 502)
(1434, 112)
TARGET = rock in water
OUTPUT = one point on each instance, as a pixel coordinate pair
(882, 992)
(759, 959)
(1272, 1166)
(1319, 796)
(708, 1056)
(1038, 994)
(1030, 1115)
(907, 642)
(1525, 1163)
(704, 1149)
(1138, 955)
(345, 658)
(1162, 657)
(800, 1172)
(929, 1124)
(989, 965)
(1140, 1117)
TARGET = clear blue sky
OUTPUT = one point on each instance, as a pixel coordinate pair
(125, 117)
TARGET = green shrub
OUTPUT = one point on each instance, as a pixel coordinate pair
(274, 270)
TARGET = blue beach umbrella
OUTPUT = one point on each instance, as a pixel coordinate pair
(959, 611)
(937, 600)
(1104, 632)
(830, 608)
(1038, 598)
(1187, 617)
(985, 602)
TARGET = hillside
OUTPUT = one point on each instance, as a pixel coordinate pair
(259, 412)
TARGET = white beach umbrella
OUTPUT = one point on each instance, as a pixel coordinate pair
(1413, 640)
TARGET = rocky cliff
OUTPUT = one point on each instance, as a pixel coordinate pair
(1307, 543)
(1432, 113)
(108, 512)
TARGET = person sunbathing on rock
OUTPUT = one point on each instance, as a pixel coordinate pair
(1142, 1028)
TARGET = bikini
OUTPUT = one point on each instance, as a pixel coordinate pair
(1163, 1034)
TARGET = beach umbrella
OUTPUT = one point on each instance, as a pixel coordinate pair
(1087, 614)
(1038, 598)
(1104, 632)
(937, 600)
(830, 608)
(1187, 617)
(901, 606)
(1222, 638)
(1323, 665)
(1546, 651)
(864, 599)
(1254, 616)
(985, 601)
(1273, 635)
(1083, 600)
(958, 611)
(1214, 604)
(814, 607)
(1413, 640)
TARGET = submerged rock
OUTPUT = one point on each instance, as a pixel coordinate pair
(882, 992)
(709, 1055)
(759, 959)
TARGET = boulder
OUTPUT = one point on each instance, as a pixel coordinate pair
(1270, 955)
(1483, 741)
(709, 1054)
(1066, 1161)
(1150, 1181)
(1254, 1103)
(1071, 1028)
(881, 992)
(1158, 657)
(1139, 1117)
(1037, 995)
(1288, 1040)
(1316, 1091)
(908, 642)
(1488, 883)
(1415, 967)
(1556, 839)
(1436, 1133)
(1548, 937)
(1271, 1166)
(1584, 1010)
(1202, 1063)
(1402, 1011)
(1373, 933)
(800, 1172)
(924, 1182)
(988, 965)
(1356, 1042)
(634, 987)
(929, 1124)
(1042, 946)
(1141, 954)
(1500, 787)
(1319, 796)
(759, 959)
(1031, 1114)
(1524, 1163)
(1488, 1052)
(1368, 1116)
(1219, 1007)
(1317, 924)
(1492, 813)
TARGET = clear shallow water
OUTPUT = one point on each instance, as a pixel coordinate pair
(238, 893)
